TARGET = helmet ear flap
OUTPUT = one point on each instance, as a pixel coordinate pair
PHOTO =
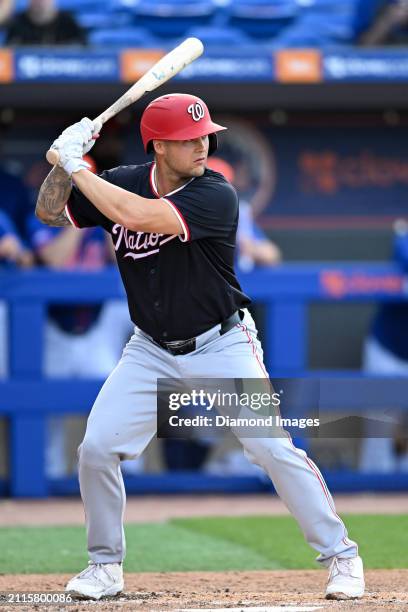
(212, 143)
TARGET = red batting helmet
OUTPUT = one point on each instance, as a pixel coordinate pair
(178, 117)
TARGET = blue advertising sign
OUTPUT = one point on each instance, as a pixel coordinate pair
(367, 65)
(230, 67)
(66, 66)
(306, 175)
(251, 63)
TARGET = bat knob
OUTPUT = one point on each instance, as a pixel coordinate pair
(53, 157)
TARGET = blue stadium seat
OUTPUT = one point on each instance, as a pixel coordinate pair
(319, 28)
(78, 5)
(365, 12)
(123, 5)
(325, 5)
(20, 5)
(173, 18)
(95, 20)
(123, 12)
(330, 8)
(262, 18)
(305, 37)
(220, 36)
(122, 38)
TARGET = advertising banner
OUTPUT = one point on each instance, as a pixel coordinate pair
(309, 175)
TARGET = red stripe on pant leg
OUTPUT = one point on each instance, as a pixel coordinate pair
(254, 351)
(323, 482)
(309, 462)
(327, 494)
(320, 478)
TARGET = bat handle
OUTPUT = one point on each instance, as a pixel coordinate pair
(53, 157)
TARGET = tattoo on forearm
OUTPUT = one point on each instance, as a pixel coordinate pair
(60, 220)
(53, 196)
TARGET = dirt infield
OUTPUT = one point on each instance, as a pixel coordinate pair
(152, 592)
(209, 590)
(151, 508)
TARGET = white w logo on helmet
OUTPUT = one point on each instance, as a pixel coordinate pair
(196, 111)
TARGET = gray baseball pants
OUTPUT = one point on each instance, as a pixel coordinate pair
(123, 421)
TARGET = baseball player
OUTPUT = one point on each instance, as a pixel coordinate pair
(173, 224)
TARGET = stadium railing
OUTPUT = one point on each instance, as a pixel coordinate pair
(26, 398)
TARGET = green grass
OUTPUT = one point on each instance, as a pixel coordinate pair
(217, 544)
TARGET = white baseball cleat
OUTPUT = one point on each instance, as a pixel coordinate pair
(346, 578)
(96, 581)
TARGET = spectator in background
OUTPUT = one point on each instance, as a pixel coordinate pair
(15, 202)
(12, 248)
(42, 23)
(386, 354)
(12, 251)
(254, 248)
(6, 9)
(15, 209)
(390, 26)
(82, 341)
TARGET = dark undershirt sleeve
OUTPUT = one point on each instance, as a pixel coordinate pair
(206, 208)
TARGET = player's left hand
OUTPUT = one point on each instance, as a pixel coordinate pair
(70, 154)
(85, 132)
(69, 147)
(74, 142)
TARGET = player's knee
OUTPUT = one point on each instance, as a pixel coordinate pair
(92, 452)
(255, 451)
(263, 452)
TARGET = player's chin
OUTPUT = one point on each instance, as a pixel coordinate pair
(198, 169)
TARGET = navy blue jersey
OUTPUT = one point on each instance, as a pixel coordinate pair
(181, 285)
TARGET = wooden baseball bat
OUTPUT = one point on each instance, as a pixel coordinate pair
(168, 66)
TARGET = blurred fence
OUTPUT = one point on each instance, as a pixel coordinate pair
(26, 398)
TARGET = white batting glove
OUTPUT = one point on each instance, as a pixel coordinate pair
(84, 131)
(70, 152)
(74, 164)
(97, 126)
